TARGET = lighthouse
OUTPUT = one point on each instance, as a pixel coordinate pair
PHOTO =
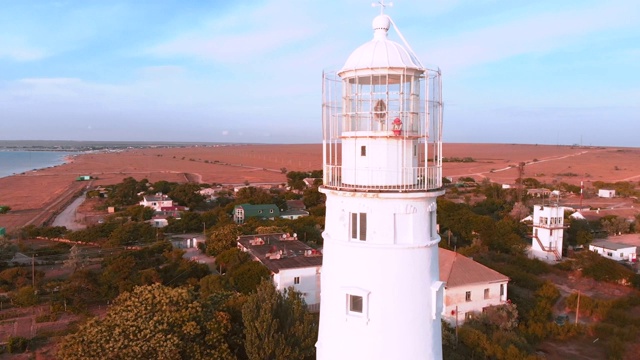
(381, 297)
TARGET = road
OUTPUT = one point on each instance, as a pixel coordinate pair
(67, 217)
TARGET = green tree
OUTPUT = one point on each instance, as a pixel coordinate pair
(253, 195)
(277, 325)
(132, 233)
(140, 213)
(75, 259)
(152, 322)
(25, 296)
(246, 277)
(222, 238)
(188, 195)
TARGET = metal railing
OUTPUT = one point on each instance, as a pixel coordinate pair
(409, 179)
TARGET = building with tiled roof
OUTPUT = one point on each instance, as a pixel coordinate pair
(470, 286)
(292, 263)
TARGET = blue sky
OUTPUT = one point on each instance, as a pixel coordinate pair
(536, 72)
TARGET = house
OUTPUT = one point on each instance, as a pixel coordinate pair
(186, 241)
(292, 263)
(614, 251)
(606, 193)
(293, 214)
(470, 286)
(295, 205)
(539, 192)
(262, 211)
(211, 193)
(157, 201)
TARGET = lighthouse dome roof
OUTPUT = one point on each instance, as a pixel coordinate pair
(380, 52)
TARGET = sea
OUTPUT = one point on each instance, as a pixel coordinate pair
(16, 162)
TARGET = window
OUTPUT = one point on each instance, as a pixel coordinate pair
(468, 315)
(363, 150)
(271, 211)
(467, 296)
(609, 253)
(621, 255)
(296, 280)
(486, 293)
(359, 226)
(501, 289)
(259, 211)
(355, 304)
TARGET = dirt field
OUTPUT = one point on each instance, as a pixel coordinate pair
(35, 195)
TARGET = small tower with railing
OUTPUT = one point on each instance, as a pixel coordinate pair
(548, 232)
(382, 154)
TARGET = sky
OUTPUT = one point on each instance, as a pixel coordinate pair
(531, 72)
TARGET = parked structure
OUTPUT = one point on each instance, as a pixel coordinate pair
(382, 168)
(470, 287)
(292, 263)
(606, 193)
(615, 251)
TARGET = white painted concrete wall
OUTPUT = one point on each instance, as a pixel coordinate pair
(457, 297)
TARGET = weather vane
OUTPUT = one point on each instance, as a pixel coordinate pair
(382, 5)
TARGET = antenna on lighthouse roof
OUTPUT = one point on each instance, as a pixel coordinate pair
(382, 5)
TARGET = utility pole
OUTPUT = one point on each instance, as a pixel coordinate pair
(33, 271)
(578, 307)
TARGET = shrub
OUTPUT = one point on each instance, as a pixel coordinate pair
(17, 344)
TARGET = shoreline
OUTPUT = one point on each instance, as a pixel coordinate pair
(20, 169)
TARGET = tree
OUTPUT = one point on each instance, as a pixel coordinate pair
(152, 322)
(25, 296)
(615, 225)
(132, 233)
(140, 213)
(222, 238)
(253, 195)
(188, 195)
(75, 260)
(277, 325)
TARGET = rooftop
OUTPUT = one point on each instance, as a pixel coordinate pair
(279, 251)
(458, 270)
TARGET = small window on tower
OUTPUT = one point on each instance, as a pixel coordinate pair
(355, 304)
(359, 226)
(363, 150)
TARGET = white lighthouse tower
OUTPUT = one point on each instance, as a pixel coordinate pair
(548, 232)
(382, 144)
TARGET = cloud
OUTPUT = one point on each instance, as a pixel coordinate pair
(537, 34)
(18, 50)
(242, 35)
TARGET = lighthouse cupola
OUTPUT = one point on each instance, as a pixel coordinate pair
(382, 118)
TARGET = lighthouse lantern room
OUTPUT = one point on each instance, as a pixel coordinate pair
(382, 164)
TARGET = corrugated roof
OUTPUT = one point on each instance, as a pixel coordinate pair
(459, 270)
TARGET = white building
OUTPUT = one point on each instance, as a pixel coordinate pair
(614, 251)
(157, 201)
(606, 193)
(382, 167)
(548, 232)
(470, 287)
(292, 263)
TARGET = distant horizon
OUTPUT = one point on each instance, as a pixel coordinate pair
(545, 72)
(3, 143)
